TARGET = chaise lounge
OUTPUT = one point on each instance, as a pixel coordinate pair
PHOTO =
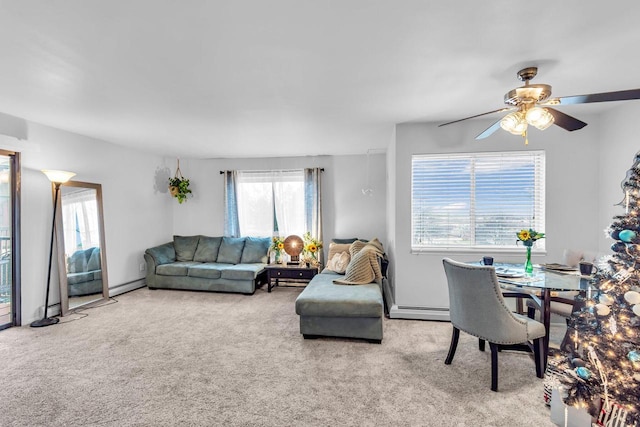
(335, 306)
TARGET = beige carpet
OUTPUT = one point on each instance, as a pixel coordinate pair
(173, 358)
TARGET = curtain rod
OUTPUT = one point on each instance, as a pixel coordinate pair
(221, 172)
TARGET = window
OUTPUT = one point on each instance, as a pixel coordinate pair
(476, 200)
(271, 202)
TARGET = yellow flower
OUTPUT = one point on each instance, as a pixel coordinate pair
(280, 245)
(313, 247)
(524, 235)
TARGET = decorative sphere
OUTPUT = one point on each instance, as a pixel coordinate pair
(606, 299)
(636, 309)
(634, 356)
(632, 297)
(583, 372)
(615, 234)
(618, 247)
(627, 235)
(577, 362)
(602, 309)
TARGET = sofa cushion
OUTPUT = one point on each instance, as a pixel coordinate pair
(241, 271)
(75, 278)
(185, 247)
(178, 268)
(163, 254)
(77, 262)
(344, 241)
(206, 271)
(255, 250)
(323, 298)
(231, 250)
(94, 260)
(208, 248)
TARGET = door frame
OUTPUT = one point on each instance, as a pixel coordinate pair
(16, 184)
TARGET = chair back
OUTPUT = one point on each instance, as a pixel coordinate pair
(476, 304)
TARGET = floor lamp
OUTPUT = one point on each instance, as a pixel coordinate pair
(57, 178)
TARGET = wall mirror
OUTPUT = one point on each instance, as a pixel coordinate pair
(82, 262)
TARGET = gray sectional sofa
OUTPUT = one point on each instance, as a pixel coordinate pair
(202, 263)
(327, 308)
(349, 311)
(84, 274)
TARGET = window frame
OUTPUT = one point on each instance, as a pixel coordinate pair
(539, 217)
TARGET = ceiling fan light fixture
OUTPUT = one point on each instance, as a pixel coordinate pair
(539, 117)
(514, 123)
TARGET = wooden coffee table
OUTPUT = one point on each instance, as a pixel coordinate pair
(297, 273)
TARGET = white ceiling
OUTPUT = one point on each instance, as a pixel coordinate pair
(250, 78)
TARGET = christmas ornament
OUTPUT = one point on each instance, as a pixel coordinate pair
(627, 235)
(577, 362)
(602, 310)
(583, 372)
(632, 297)
(636, 309)
(634, 356)
(618, 247)
(606, 299)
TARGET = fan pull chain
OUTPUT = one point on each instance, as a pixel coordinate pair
(526, 138)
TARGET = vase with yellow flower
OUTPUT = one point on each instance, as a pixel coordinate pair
(311, 250)
(528, 237)
(277, 247)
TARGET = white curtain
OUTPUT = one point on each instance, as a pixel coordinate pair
(270, 202)
(80, 216)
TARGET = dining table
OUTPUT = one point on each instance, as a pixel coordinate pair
(541, 285)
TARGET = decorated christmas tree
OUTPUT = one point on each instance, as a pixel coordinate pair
(603, 357)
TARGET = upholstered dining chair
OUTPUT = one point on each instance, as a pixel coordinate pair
(477, 307)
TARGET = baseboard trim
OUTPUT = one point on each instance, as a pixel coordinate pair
(127, 287)
(419, 313)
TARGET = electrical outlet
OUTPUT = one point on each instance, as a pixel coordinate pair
(143, 266)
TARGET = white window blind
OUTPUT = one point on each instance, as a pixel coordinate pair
(476, 200)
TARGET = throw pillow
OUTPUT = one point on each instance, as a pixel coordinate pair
(336, 248)
(339, 262)
(231, 250)
(255, 250)
(185, 247)
(208, 248)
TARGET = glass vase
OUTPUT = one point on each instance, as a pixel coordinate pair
(528, 266)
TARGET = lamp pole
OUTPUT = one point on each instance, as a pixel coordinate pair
(57, 178)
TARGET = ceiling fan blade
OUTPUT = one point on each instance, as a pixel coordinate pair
(477, 115)
(490, 130)
(566, 121)
(623, 95)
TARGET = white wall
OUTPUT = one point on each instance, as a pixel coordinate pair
(346, 211)
(137, 216)
(572, 164)
(620, 143)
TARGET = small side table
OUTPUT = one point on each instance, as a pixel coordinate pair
(288, 272)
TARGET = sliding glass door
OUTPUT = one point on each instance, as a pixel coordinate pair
(9, 242)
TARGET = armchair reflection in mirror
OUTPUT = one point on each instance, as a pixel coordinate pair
(81, 249)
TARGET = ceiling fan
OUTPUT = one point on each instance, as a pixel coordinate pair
(530, 105)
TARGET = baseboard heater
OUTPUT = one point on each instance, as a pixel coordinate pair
(408, 312)
(420, 313)
(126, 287)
